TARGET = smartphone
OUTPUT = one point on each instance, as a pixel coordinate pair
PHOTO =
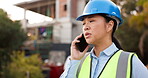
(82, 44)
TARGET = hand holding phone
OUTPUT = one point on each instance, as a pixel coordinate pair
(82, 44)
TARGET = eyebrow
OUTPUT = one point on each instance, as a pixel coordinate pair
(90, 16)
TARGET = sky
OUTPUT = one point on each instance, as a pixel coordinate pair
(17, 13)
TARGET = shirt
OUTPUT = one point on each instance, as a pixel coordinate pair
(138, 68)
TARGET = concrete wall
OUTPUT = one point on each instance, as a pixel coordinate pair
(62, 31)
(67, 28)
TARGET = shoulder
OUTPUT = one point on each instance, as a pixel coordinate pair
(130, 54)
(134, 58)
(139, 70)
(135, 61)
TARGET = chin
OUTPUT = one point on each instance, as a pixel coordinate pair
(89, 41)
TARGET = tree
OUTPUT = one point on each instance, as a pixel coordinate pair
(11, 38)
(10, 32)
(140, 23)
(26, 66)
(128, 35)
(125, 33)
(128, 7)
(133, 33)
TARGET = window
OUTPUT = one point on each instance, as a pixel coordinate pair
(65, 7)
(45, 33)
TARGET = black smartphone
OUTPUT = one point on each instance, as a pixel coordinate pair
(82, 44)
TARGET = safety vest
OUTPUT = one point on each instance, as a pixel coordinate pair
(118, 66)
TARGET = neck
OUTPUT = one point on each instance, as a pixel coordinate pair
(101, 46)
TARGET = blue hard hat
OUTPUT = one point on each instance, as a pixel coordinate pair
(99, 7)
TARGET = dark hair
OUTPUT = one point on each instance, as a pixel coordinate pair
(114, 29)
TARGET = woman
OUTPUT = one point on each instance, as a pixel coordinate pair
(100, 19)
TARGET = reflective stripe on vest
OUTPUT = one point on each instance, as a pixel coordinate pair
(118, 66)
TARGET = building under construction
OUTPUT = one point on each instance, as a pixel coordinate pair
(51, 38)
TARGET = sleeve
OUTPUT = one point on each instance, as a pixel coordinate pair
(70, 69)
(138, 68)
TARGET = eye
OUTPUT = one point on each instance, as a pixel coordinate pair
(91, 21)
(83, 23)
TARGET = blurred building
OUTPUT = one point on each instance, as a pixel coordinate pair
(63, 28)
(55, 35)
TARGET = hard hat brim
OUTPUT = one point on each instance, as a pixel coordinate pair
(81, 18)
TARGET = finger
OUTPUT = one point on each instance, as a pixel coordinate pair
(76, 39)
(74, 42)
(79, 36)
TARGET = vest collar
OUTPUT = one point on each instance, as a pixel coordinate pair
(107, 52)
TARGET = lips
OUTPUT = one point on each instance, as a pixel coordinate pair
(87, 35)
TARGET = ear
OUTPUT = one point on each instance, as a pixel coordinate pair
(109, 26)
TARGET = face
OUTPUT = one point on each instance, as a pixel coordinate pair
(96, 29)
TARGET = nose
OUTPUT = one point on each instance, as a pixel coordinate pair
(86, 27)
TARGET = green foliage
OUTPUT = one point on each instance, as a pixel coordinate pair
(137, 22)
(140, 21)
(20, 65)
(134, 25)
(132, 32)
(11, 38)
(141, 2)
(145, 13)
(10, 32)
(2, 13)
(128, 37)
(129, 6)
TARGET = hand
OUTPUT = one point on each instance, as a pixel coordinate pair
(75, 53)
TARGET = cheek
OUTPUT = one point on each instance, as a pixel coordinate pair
(99, 32)
(98, 29)
(83, 28)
